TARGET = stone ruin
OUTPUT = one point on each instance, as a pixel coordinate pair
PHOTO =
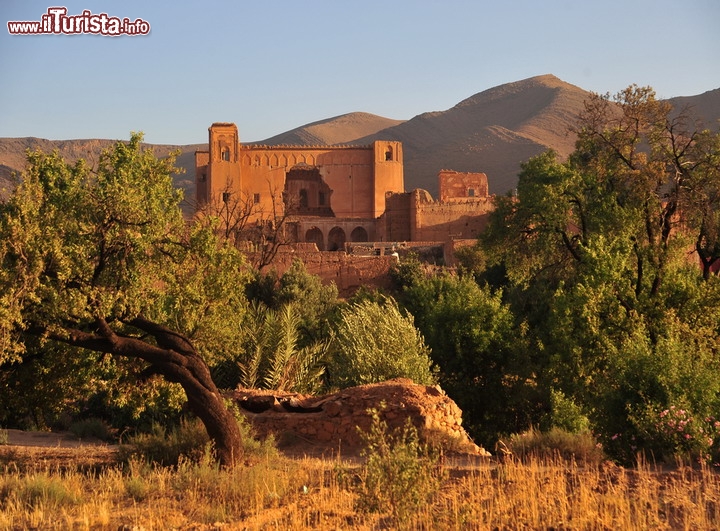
(333, 421)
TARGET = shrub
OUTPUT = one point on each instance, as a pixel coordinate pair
(167, 447)
(375, 342)
(556, 442)
(188, 442)
(91, 428)
(676, 433)
(566, 414)
(400, 474)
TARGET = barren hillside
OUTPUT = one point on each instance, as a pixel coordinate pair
(493, 131)
(338, 130)
(704, 107)
(13, 157)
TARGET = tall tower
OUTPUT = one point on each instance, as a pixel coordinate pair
(388, 172)
(223, 168)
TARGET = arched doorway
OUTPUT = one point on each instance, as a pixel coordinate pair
(359, 234)
(336, 239)
(315, 236)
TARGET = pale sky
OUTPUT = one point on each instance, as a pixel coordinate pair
(273, 65)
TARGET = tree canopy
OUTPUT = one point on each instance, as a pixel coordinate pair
(601, 252)
(101, 259)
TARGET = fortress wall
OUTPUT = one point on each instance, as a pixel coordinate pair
(348, 171)
(455, 185)
(396, 226)
(349, 272)
(438, 221)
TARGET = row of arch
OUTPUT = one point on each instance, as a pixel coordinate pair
(292, 159)
(336, 238)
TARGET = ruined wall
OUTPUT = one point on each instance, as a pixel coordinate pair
(439, 221)
(335, 420)
(415, 216)
(456, 185)
(348, 272)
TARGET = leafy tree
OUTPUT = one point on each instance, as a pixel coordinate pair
(482, 355)
(407, 272)
(300, 288)
(102, 261)
(374, 342)
(596, 252)
(51, 387)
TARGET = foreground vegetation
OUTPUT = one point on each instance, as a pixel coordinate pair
(279, 493)
(172, 481)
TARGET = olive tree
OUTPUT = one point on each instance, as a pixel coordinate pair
(102, 260)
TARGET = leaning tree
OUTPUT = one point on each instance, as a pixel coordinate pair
(102, 260)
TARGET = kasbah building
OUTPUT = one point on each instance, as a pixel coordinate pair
(348, 216)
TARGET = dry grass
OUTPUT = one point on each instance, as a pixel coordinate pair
(276, 492)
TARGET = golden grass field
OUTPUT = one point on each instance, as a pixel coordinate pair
(87, 488)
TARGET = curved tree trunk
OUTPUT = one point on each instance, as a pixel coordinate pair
(175, 358)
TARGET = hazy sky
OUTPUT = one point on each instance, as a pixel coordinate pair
(272, 65)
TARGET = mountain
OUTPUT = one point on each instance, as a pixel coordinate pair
(704, 107)
(341, 129)
(493, 131)
(13, 157)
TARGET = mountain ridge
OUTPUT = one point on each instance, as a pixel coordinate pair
(492, 131)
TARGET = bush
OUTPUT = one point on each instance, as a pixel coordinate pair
(375, 342)
(400, 474)
(556, 442)
(188, 441)
(91, 428)
(676, 433)
(566, 414)
(167, 447)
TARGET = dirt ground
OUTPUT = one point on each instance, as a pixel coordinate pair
(27, 449)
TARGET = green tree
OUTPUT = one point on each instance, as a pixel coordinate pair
(374, 342)
(300, 288)
(101, 260)
(596, 252)
(482, 355)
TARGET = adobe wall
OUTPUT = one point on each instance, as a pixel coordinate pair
(202, 158)
(348, 171)
(340, 419)
(415, 216)
(331, 234)
(348, 272)
(389, 175)
(438, 221)
(456, 185)
(395, 223)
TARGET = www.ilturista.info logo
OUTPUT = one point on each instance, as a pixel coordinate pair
(56, 21)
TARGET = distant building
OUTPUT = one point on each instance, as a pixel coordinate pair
(334, 193)
(338, 197)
